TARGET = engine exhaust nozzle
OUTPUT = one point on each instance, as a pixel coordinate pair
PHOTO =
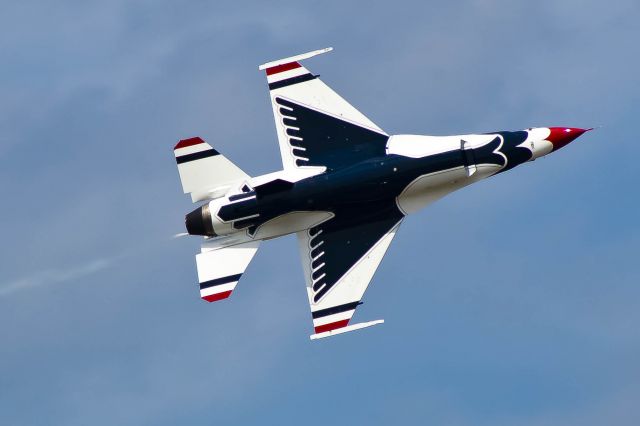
(198, 222)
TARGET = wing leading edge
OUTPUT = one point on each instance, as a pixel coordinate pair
(340, 257)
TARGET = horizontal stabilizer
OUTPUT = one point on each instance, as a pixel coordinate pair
(220, 270)
(203, 171)
(345, 329)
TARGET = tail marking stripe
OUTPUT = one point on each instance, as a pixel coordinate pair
(331, 326)
(218, 281)
(293, 80)
(335, 310)
(217, 296)
(197, 156)
(282, 68)
(188, 142)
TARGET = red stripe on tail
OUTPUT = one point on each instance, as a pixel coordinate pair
(331, 326)
(282, 68)
(217, 296)
(188, 142)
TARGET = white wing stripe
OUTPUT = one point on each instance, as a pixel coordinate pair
(333, 318)
(287, 74)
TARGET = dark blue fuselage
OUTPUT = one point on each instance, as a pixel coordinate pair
(374, 182)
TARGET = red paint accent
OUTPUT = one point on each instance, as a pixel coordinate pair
(562, 136)
(188, 142)
(217, 296)
(282, 68)
(331, 326)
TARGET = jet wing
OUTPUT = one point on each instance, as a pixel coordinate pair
(339, 258)
(291, 85)
(316, 138)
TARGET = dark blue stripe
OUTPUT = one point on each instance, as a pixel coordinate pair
(335, 310)
(218, 281)
(197, 156)
(293, 80)
(242, 196)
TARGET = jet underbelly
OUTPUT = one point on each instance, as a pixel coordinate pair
(429, 188)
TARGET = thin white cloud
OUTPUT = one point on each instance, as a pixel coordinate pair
(53, 276)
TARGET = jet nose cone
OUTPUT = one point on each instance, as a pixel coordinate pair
(561, 136)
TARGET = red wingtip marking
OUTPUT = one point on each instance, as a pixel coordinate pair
(331, 326)
(217, 296)
(188, 142)
(283, 68)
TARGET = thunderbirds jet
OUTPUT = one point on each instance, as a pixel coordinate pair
(345, 188)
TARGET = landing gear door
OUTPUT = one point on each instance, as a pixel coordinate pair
(468, 158)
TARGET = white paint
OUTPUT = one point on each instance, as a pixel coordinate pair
(345, 329)
(418, 146)
(538, 143)
(191, 149)
(209, 177)
(286, 74)
(333, 318)
(223, 263)
(290, 223)
(295, 58)
(290, 175)
(217, 289)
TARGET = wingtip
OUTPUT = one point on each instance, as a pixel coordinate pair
(346, 329)
(294, 58)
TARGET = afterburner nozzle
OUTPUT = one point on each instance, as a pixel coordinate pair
(198, 222)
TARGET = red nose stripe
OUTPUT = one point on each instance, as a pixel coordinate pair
(562, 136)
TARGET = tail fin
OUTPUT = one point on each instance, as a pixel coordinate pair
(220, 270)
(203, 171)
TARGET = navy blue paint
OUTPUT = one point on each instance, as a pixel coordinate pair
(273, 187)
(196, 156)
(292, 80)
(328, 141)
(346, 239)
(516, 155)
(334, 310)
(242, 196)
(219, 281)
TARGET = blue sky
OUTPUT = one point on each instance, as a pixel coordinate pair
(514, 301)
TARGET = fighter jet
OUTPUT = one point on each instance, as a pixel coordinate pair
(345, 188)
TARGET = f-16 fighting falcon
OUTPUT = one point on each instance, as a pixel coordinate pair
(344, 190)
